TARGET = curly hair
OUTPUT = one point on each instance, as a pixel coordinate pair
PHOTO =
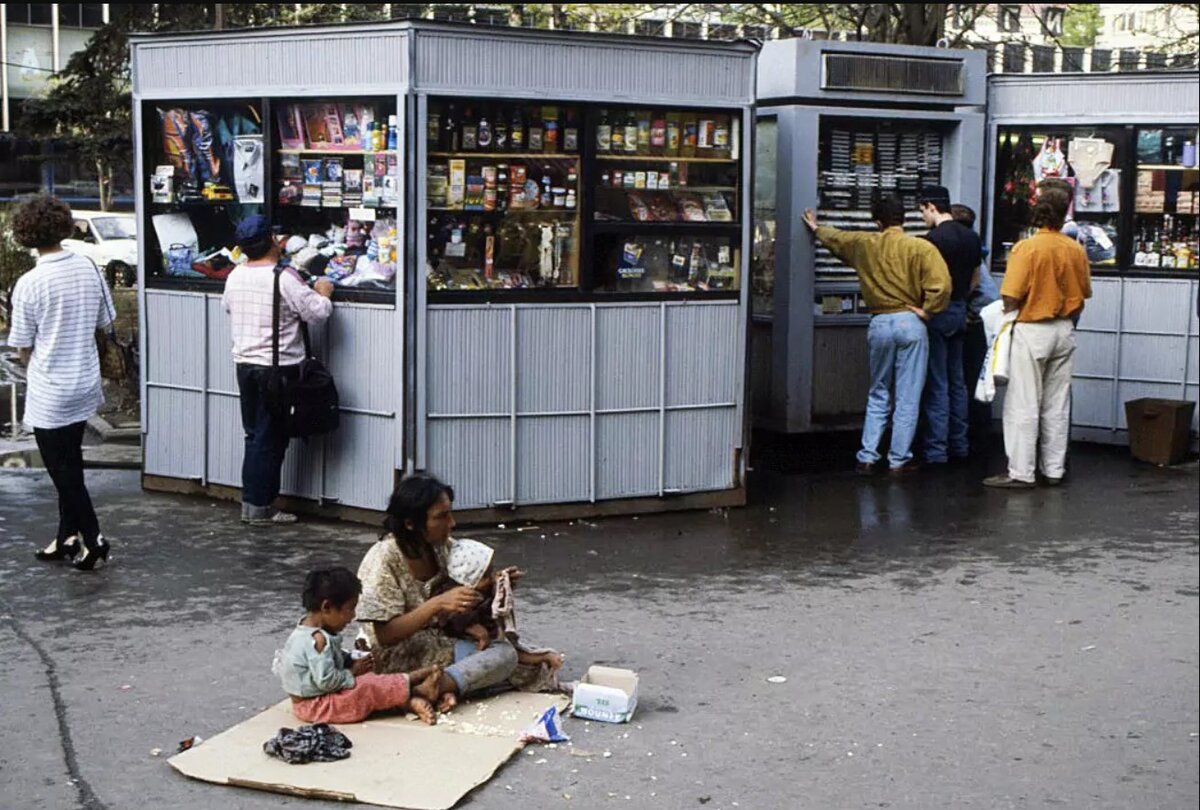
(1053, 202)
(42, 221)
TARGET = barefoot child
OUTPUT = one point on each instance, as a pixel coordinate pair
(469, 562)
(325, 684)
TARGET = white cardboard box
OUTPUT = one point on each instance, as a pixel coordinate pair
(606, 694)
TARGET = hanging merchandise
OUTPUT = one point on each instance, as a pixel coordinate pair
(176, 131)
(208, 163)
(248, 168)
(1089, 157)
(1103, 197)
(1149, 145)
(1050, 162)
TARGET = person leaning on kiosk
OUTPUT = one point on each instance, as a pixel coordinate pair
(249, 297)
(1046, 282)
(56, 309)
(904, 281)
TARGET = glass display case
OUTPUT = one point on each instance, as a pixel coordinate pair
(204, 167)
(1135, 192)
(517, 199)
(502, 191)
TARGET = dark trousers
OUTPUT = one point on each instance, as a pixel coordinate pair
(980, 413)
(266, 442)
(62, 453)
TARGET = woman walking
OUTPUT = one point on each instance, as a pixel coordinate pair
(56, 309)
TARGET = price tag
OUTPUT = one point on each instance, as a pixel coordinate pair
(363, 214)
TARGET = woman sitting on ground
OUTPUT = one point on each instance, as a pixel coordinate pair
(404, 622)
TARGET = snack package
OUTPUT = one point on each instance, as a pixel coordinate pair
(639, 209)
(691, 209)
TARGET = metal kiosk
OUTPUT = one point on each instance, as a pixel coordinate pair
(837, 123)
(539, 240)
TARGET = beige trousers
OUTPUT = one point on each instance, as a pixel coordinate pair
(1037, 405)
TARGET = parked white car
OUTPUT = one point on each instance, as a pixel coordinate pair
(109, 239)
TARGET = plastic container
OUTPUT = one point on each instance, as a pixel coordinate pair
(1159, 429)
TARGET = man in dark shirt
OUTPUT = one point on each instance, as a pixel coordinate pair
(945, 399)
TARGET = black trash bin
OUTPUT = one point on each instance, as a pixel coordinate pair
(1159, 429)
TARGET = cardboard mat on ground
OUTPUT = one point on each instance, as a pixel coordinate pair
(395, 761)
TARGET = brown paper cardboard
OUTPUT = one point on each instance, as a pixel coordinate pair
(395, 761)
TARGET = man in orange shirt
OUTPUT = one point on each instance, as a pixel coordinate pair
(1047, 280)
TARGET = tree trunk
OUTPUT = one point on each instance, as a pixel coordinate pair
(104, 184)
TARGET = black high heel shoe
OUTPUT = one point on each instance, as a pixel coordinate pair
(59, 550)
(93, 554)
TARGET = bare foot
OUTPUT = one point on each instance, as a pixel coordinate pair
(447, 703)
(423, 709)
(553, 660)
(427, 687)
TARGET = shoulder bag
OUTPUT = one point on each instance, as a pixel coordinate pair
(306, 402)
(114, 355)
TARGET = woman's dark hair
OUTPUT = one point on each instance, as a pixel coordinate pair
(42, 222)
(887, 211)
(337, 585)
(963, 214)
(410, 503)
(1050, 210)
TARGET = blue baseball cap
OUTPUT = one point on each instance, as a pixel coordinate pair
(253, 228)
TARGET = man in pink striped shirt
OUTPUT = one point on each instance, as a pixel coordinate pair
(249, 295)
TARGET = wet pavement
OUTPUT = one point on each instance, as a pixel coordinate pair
(944, 646)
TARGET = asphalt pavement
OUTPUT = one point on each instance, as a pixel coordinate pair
(943, 646)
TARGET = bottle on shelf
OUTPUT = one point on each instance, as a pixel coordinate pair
(516, 130)
(721, 138)
(688, 146)
(631, 134)
(393, 136)
(484, 134)
(604, 134)
(570, 133)
(618, 135)
(450, 133)
(673, 134)
(705, 129)
(502, 187)
(643, 128)
(550, 130)
(470, 131)
(433, 132)
(499, 133)
(379, 142)
(535, 132)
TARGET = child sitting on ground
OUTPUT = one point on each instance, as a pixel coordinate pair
(325, 683)
(469, 562)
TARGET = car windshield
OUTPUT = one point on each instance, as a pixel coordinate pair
(115, 227)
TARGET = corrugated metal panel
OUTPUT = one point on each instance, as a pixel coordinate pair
(626, 455)
(175, 329)
(474, 456)
(553, 68)
(1160, 306)
(1129, 390)
(918, 75)
(700, 449)
(1152, 357)
(1193, 395)
(174, 441)
(627, 357)
(288, 61)
(359, 468)
(841, 371)
(222, 374)
(364, 353)
(1149, 97)
(1193, 363)
(553, 459)
(469, 366)
(1103, 309)
(554, 359)
(1091, 403)
(702, 342)
(1095, 353)
(226, 443)
(301, 474)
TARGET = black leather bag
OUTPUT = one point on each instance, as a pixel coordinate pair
(306, 403)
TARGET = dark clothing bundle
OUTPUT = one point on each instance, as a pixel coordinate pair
(963, 251)
(316, 743)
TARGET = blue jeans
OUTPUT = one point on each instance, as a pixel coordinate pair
(474, 669)
(266, 442)
(946, 387)
(899, 347)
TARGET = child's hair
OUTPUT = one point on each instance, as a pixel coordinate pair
(338, 585)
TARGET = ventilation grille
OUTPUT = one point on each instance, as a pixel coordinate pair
(934, 77)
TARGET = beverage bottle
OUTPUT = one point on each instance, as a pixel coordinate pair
(502, 187)
(604, 134)
(658, 134)
(500, 135)
(571, 133)
(393, 132)
(631, 134)
(485, 133)
(643, 129)
(618, 135)
(470, 131)
(450, 139)
(673, 134)
(516, 130)
(688, 146)
(721, 138)
(433, 133)
(550, 130)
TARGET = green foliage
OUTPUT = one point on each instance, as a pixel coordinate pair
(15, 261)
(1081, 25)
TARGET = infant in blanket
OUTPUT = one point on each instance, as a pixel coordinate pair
(469, 562)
